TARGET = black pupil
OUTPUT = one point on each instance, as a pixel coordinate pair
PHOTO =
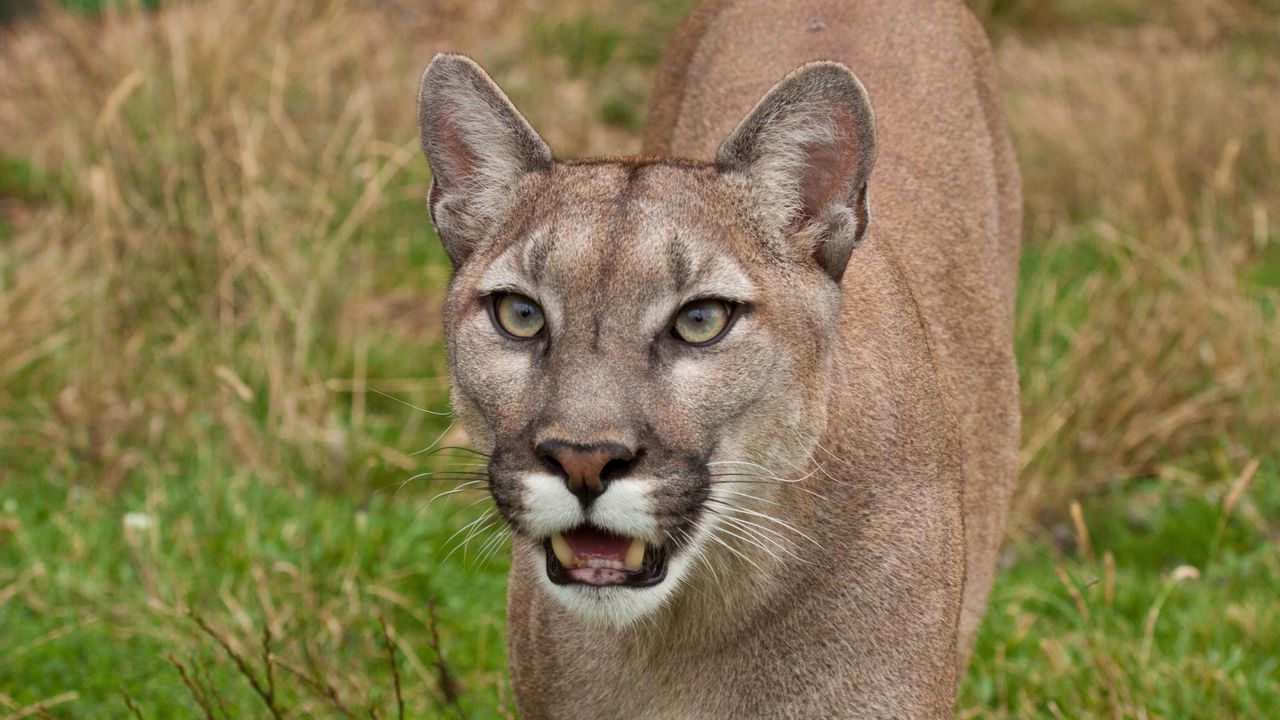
(525, 311)
(698, 316)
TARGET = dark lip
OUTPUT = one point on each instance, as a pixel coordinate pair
(652, 572)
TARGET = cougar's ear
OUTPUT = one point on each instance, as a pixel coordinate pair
(807, 150)
(478, 145)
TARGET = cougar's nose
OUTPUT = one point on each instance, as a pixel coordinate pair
(586, 469)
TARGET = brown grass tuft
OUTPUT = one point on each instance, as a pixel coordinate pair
(224, 172)
(1144, 339)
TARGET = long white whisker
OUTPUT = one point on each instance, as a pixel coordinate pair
(491, 545)
(433, 473)
(766, 516)
(464, 487)
(817, 465)
(767, 471)
(730, 548)
(466, 542)
(755, 530)
(730, 508)
(733, 531)
(749, 496)
(409, 404)
(475, 526)
(483, 516)
(438, 438)
(809, 491)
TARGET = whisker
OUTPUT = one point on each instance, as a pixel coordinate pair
(457, 448)
(778, 540)
(466, 542)
(713, 538)
(766, 516)
(468, 506)
(488, 514)
(814, 493)
(444, 475)
(749, 496)
(818, 445)
(460, 489)
(438, 438)
(409, 404)
(767, 472)
(750, 539)
(490, 546)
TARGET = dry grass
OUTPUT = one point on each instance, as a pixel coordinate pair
(1151, 198)
(215, 251)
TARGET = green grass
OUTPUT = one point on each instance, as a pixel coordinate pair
(101, 608)
(1174, 642)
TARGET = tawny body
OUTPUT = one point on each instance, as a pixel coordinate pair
(923, 407)
(815, 488)
(946, 196)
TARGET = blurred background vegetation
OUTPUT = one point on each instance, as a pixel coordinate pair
(221, 380)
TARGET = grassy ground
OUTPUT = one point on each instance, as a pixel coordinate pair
(214, 260)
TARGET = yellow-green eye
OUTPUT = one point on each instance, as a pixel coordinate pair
(702, 321)
(518, 315)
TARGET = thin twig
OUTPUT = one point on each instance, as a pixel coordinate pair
(448, 686)
(197, 692)
(129, 703)
(395, 670)
(324, 689)
(267, 694)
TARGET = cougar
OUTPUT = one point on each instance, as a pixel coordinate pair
(749, 404)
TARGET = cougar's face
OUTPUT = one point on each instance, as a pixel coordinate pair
(641, 347)
(628, 353)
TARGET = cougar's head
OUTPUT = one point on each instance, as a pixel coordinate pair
(643, 345)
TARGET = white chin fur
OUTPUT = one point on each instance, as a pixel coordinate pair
(617, 607)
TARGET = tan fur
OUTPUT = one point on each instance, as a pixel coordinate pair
(862, 434)
(947, 192)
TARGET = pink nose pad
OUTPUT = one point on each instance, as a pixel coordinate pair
(586, 468)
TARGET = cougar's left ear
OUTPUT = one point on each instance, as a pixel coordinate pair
(807, 149)
(479, 147)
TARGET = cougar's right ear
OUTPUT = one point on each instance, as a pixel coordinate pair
(479, 146)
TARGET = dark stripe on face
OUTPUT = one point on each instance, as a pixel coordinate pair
(679, 263)
(627, 192)
(536, 254)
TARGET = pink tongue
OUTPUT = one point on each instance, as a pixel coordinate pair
(593, 544)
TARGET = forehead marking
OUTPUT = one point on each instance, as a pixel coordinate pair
(626, 193)
(679, 263)
(537, 251)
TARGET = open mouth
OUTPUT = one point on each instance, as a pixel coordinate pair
(589, 556)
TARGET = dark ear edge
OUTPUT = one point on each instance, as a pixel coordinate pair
(808, 148)
(478, 146)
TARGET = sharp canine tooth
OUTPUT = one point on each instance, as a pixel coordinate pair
(635, 554)
(561, 548)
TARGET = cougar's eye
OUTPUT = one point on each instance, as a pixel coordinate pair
(517, 315)
(702, 321)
